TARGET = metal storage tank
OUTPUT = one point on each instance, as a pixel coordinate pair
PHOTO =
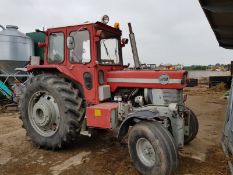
(15, 49)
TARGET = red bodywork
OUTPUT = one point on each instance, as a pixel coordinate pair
(145, 79)
(99, 116)
(114, 75)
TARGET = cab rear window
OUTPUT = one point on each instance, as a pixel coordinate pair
(56, 48)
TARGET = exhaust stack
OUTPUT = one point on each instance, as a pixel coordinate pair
(134, 47)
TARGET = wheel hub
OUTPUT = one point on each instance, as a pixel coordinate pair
(44, 114)
(146, 152)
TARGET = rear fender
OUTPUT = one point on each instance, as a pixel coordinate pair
(56, 70)
(134, 118)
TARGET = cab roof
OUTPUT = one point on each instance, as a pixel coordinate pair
(97, 24)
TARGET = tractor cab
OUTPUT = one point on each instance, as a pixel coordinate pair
(89, 43)
(83, 53)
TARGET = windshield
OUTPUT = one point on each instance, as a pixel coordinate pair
(109, 51)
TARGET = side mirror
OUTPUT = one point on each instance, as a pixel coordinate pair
(70, 42)
(124, 41)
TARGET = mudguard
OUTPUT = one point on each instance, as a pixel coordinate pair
(134, 118)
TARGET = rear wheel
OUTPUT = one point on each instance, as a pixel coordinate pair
(193, 127)
(152, 149)
(51, 110)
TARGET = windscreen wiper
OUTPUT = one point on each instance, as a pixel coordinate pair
(106, 49)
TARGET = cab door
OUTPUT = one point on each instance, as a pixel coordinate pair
(81, 60)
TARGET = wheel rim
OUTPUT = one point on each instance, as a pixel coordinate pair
(44, 113)
(146, 152)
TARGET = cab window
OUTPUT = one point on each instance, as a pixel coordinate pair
(109, 50)
(56, 48)
(81, 52)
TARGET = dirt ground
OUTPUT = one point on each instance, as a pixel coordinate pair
(102, 154)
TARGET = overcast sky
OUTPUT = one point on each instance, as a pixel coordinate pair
(167, 31)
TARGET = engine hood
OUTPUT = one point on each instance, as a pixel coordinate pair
(147, 79)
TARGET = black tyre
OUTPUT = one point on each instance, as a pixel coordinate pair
(152, 149)
(51, 110)
(193, 128)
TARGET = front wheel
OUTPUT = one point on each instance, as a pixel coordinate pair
(193, 126)
(152, 149)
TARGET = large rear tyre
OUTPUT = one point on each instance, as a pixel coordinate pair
(193, 127)
(52, 111)
(152, 149)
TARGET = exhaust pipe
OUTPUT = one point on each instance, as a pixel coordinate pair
(134, 47)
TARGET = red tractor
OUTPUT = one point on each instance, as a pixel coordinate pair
(83, 84)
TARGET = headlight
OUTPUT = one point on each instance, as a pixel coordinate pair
(105, 19)
(173, 107)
